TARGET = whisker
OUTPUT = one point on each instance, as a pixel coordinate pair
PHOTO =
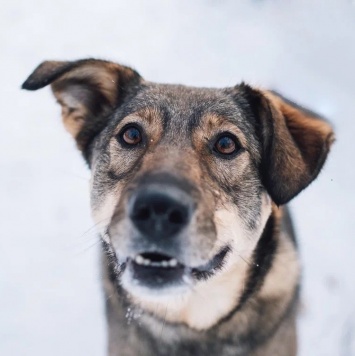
(164, 321)
(87, 249)
(248, 262)
(88, 236)
(94, 226)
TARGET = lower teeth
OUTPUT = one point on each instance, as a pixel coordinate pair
(140, 260)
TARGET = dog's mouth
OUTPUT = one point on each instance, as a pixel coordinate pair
(155, 270)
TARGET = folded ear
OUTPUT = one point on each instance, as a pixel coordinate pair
(88, 90)
(295, 143)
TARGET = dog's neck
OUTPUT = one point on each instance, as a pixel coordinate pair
(269, 295)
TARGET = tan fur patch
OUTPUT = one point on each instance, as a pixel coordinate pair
(285, 271)
(104, 75)
(73, 114)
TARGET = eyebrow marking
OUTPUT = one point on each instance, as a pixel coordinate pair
(150, 115)
(212, 124)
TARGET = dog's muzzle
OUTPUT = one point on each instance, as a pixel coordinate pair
(159, 214)
(159, 250)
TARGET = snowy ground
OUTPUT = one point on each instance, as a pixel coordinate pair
(50, 296)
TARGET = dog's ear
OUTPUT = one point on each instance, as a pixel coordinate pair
(88, 90)
(295, 143)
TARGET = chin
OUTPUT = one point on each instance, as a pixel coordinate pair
(157, 277)
(156, 280)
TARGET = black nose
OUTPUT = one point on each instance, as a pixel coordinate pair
(158, 214)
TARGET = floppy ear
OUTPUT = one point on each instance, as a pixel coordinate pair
(88, 90)
(295, 143)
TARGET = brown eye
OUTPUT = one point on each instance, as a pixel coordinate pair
(131, 136)
(226, 145)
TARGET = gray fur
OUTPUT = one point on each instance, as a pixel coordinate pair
(233, 202)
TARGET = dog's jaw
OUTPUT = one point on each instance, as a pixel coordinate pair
(201, 305)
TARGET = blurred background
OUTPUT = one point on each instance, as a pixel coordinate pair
(50, 289)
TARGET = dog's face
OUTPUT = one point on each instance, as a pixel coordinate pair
(183, 179)
(176, 184)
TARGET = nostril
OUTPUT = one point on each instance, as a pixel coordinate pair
(142, 213)
(177, 217)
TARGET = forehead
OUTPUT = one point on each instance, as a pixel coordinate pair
(185, 107)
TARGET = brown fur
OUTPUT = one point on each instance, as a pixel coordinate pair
(235, 245)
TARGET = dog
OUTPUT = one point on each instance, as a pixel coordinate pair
(188, 190)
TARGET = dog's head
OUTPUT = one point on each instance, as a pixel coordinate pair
(183, 179)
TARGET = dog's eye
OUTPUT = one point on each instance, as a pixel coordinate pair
(131, 136)
(226, 144)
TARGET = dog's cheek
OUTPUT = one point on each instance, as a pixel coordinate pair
(234, 230)
(102, 213)
(103, 201)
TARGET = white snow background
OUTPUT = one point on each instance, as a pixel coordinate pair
(50, 295)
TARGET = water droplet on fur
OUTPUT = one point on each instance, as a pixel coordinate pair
(133, 314)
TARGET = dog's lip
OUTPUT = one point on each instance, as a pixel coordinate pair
(162, 261)
(212, 266)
